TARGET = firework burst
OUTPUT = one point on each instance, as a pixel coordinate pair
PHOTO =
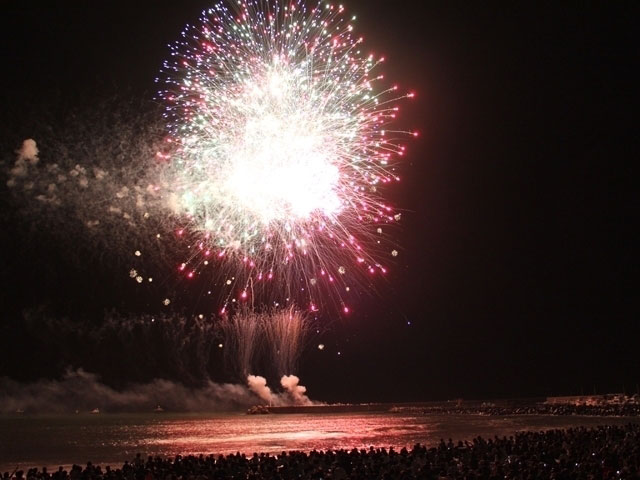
(279, 147)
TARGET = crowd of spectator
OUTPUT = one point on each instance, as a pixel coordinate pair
(605, 452)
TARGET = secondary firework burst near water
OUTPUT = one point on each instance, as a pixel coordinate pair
(265, 342)
(280, 148)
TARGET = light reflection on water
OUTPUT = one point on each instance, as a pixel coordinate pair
(111, 439)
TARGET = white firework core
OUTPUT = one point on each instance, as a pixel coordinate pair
(281, 165)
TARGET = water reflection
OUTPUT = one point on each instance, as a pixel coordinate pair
(110, 439)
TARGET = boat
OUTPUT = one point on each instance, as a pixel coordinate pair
(258, 410)
(95, 411)
(158, 409)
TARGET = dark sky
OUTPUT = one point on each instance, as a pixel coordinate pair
(518, 259)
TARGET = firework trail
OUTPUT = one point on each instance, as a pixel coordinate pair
(243, 335)
(182, 348)
(269, 341)
(279, 150)
(286, 332)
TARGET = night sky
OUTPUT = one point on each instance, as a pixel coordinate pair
(518, 262)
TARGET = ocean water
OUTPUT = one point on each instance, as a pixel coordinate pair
(109, 439)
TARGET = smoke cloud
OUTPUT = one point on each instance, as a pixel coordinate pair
(28, 151)
(26, 155)
(296, 392)
(82, 391)
(258, 385)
